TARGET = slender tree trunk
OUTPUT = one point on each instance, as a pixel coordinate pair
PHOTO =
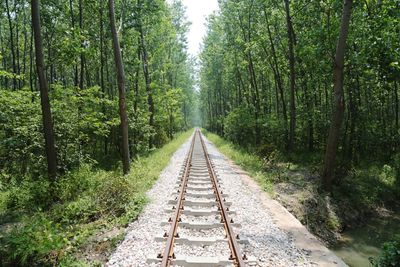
(14, 66)
(338, 109)
(396, 94)
(25, 48)
(31, 80)
(290, 33)
(147, 78)
(82, 59)
(102, 85)
(136, 99)
(4, 61)
(310, 126)
(396, 110)
(17, 54)
(252, 75)
(76, 82)
(44, 96)
(121, 89)
(109, 84)
(278, 78)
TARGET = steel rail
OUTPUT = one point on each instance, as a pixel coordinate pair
(233, 244)
(169, 247)
(168, 254)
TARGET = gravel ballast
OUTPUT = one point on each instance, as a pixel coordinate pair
(267, 244)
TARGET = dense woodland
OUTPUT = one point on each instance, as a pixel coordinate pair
(287, 74)
(84, 86)
(81, 73)
(308, 93)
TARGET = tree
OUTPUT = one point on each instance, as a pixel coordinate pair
(14, 65)
(121, 89)
(290, 33)
(338, 109)
(44, 93)
(146, 71)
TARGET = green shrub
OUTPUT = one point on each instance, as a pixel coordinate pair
(21, 142)
(87, 195)
(29, 195)
(74, 183)
(388, 175)
(390, 255)
(113, 195)
(239, 126)
(79, 211)
(37, 239)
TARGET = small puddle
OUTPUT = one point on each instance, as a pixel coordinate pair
(360, 244)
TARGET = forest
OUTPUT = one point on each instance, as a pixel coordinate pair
(95, 97)
(308, 91)
(268, 78)
(84, 86)
(266, 82)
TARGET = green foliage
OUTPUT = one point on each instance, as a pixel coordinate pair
(239, 126)
(78, 128)
(29, 195)
(390, 255)
(244, 74)
(37, 239)
(89, 200)
(89, 191)
(369, 186)
(81, 118)
(21, 143)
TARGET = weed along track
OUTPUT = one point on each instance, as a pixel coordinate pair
(201, 228)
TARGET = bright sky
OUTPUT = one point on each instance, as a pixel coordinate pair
(197, 12)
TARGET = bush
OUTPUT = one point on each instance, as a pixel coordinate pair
(390, 255)
(21, 142)
(86, 195)
(113, 195)
(29, 195)
(239, 126)
(35, 240)
(74, 183)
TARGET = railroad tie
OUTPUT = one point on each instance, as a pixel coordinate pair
(197, 205)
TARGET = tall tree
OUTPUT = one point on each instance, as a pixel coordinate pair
(44, 93)
(121, 89)
(277, 75)
(290, 34)
(338, 101)
(71, 10)
(147, 78)
(12, 46)
(82, 56)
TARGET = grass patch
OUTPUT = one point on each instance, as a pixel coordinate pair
(91, 203)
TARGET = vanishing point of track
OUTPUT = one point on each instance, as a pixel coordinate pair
(199, 170)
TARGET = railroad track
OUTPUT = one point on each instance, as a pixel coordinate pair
(200, 217)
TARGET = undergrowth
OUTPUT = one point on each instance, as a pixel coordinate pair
(37, 232)
(390, 255)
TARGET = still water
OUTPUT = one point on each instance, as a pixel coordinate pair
(360, 244)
